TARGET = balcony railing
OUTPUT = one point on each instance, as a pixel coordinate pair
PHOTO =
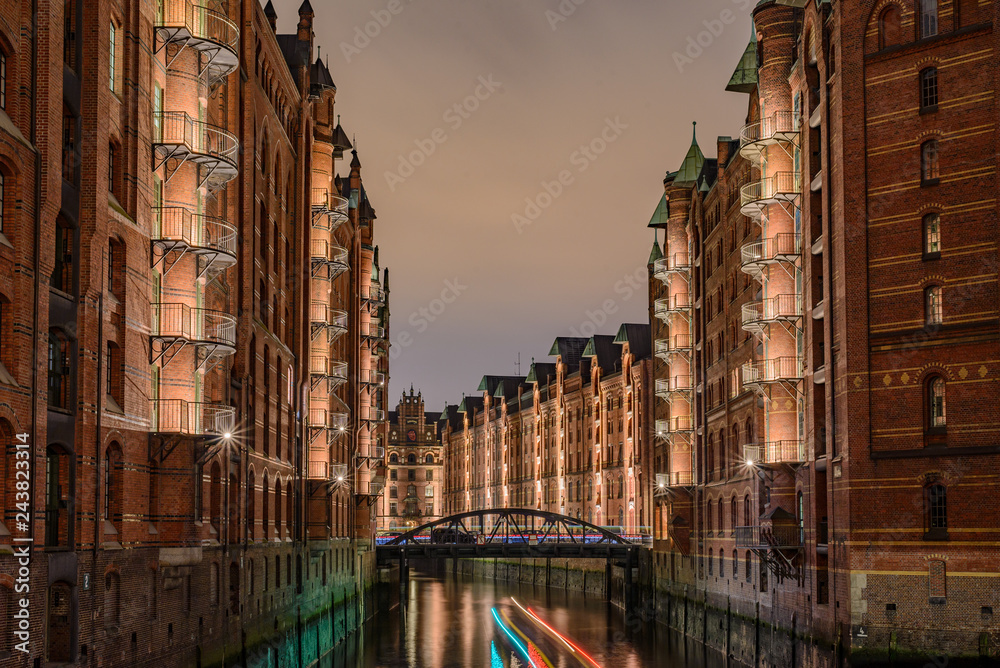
(324, 418)
(777, 370)
(175, 227)
(667, 387)
(675, 424)
(318, 470)
(768, 538)
(780, 187)
(324, 367)
(782, 126)
(774, 452)
(785, 247)
(323, 314)
(673, 345)
(177, 135)
(196, 325)
(665, 267)
(370, 377)
(212, 33)
(176, 416)
(677, 304)
(371, 330)
(331, 255)
(674, 479)
(372, 414)
(373, 294)
(757, 315)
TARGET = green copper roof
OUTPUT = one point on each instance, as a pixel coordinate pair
(589, 350)
(622, 335)
(691, 167)
(654, 255)
(744, 79)
(662, 213)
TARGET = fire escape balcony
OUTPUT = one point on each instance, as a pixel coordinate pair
(674, 479)
(185, 418)
(372, 295)
(328, 260)
(678, 424)
(780, 127)
(372, 377)
(175, 326)
(678, 344)
(322, 367)
(212, 34)
(768, 538)
(372, 414)
(371, 330)
(177, 230)
(329, 210)
(324, 418)
(756, 256)
(774, 453)
(783, 187)
(673, 387)
(781, 308)
(787, 371)
(675, 305)
(323, 317)
(179, 138)
(667, 267)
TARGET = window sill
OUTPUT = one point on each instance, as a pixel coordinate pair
(930, 109)
(5, 241)
(6, 378)
(932, 256)
(929, 183)
(936, 535)
(112, 406)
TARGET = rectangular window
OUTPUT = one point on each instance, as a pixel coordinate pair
(112, 157)
(935, 307)
(428, 491)
(112, 73)
(928, 18)
(3, 81)
(929, 89)
(392, 508)
(932, 234)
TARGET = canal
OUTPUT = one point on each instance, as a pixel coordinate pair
(462, 622)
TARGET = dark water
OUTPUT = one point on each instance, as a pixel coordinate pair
(449, 621)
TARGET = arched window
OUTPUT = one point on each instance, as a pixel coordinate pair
(928, 18)
(411, 459)
(429, 459)
(748, 566)
(936, 499)
(732, 522)
(215, 496)
(933, 305)
(114, 378)
(890, 27)
(289, 507)
(928, 89)
(932, 235)
(710, 456)
(59, 624)
(936, 416)
(710, 561)
(113, 486)
(394, 458)
(929, 170)
(277, 507)
(265, 495)
(590, 489)
(233, 510)
(251, 504)
(59, 359)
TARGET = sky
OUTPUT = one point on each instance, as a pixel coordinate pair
(514, 151)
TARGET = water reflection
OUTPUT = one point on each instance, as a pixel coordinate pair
(456, 621)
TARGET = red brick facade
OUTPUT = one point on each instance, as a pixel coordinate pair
(840, 262)
(200, 371)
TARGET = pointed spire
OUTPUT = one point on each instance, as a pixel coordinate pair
(306, 8)
(272, 16)
(355, 163)
(693, 161)
(655, 253)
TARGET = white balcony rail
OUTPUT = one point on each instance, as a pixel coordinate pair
(179, 225)
(329, 317)
(199, 22)
(180, 321)
(671, 264)
(780, 126)
(782, 186)
(774, 452)
(322, 365)
(676, 344)
(773, 309)
(781, 247)
(177, 128)
(676, 304)
(176, 416)
(776, 370)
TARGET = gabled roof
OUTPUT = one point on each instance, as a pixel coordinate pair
(661, 214)
(637, 336)
(541, 372)
(491, 384)
(693, 161)
(430, 417)
(602, 346)
(319, 75)
(744, 79)
(569, 348)
(471, 403)
(709, 175)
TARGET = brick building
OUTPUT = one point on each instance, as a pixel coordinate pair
(567, 438)
(415, 465)
(201, 412)
(825, 323)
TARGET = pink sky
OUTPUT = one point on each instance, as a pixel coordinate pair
(535, 85)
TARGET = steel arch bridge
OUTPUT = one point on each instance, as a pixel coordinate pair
(507, 532)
